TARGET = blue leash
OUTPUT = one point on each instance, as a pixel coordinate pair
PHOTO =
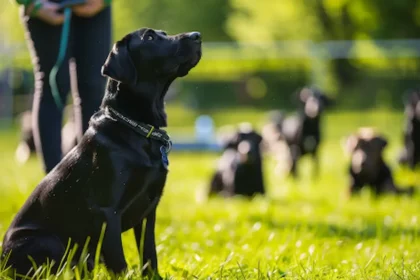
(64, 40)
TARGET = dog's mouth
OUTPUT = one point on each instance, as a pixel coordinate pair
(246, 152)
(196, 57)
(193, 52)
(190, 60)
(312, 107)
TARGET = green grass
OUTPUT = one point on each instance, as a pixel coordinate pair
(305, 229)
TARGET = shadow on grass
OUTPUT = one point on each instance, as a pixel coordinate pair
(327, 230)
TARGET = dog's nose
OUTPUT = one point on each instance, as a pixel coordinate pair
(195, 36)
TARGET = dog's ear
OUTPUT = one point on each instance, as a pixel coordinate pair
(380, 142)
(232, 142)
(258, 138)
(119, 66)
(304, 94)
(327, 101)
(349, 144)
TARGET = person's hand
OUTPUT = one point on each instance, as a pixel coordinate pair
(48, 12)
(91, 8)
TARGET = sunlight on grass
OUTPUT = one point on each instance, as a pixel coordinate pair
(305, 229)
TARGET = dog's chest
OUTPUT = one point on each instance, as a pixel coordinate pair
(309, 143)
(141, 196)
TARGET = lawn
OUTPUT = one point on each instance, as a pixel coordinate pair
(304, 229)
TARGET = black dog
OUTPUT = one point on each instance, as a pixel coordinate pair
(302, 132)
(239, 170)
(368, 166)
(411, 153)
(116, 174)
(26, 146)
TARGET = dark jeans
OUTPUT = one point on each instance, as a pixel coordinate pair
(89, 45)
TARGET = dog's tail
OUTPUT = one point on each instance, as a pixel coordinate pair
(216, 184)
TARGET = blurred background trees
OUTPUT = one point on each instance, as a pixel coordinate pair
(258, 52)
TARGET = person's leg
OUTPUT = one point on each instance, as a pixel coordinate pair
(92, 43)
(43, 41)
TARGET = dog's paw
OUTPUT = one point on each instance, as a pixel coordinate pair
(118, 271)
(155, 276)
(151, 275)
(147, 272)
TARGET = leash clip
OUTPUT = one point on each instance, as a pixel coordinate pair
(164, 154)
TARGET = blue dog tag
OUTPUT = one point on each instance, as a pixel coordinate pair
(165, 160)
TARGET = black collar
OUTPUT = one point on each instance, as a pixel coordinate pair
(146, 130)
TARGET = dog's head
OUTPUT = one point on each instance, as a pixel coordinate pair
(142, 66)
(412, 104)
(149, 54)
(276, 117)
(247, 143)
(313, 101)
(366, 150)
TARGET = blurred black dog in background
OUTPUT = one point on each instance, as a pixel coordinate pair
(26, 146)
(239, 170)
(368, 166)
(302, 133)
(410, 154)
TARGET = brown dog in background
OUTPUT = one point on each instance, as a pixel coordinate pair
(368, 167)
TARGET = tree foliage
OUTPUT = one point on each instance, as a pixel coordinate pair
(264, 21)
(256, 21)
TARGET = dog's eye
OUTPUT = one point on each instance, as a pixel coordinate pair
(164, 33)
(149, 38)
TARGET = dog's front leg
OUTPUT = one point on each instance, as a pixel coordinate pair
(295, 155)
(149, 244)
(355, 185)
(315, 159)
(388, 186)
(112, 248)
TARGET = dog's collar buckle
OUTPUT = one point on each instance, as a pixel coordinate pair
(150, 131)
